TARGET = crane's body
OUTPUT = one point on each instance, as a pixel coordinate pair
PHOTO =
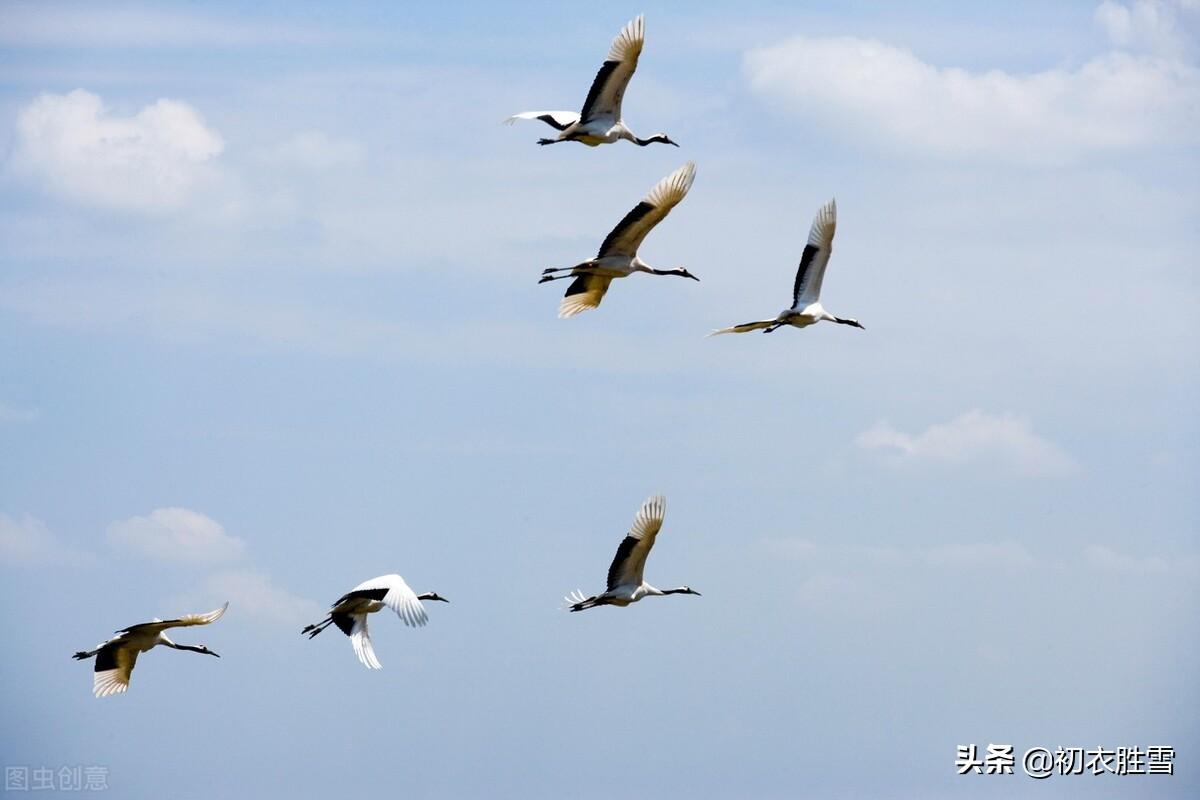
(617, 257)
(806, 308)
(625, 582)
(116, 657)
(349, 612)
(599, 121)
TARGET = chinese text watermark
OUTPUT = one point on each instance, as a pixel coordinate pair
(76, 778)
(1041, 762)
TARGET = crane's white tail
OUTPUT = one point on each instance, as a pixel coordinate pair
(576, 601)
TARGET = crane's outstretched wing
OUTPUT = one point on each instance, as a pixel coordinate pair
(585, 292)
(625, 239)
(114, 665)
(393, 592)
(183, 622)
(630, 561)
(813, 261)
(745, 327)
(608, 88)
(360, 640)
(555, 119)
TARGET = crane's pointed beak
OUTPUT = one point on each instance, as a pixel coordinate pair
(211, 653)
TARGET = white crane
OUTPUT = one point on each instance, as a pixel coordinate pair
(116, 657)
(625, 584)
(600, 120)
(806, 307)
(350, 611)
(618, 253)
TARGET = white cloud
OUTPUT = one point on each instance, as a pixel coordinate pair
(150, 162)
(26, 540)
(888, 97)
(176, 534)
(11, 414)
(1155, 26)
(972, 437)
(252, 594)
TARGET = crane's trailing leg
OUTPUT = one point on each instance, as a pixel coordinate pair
(313, 630)
(544, 142)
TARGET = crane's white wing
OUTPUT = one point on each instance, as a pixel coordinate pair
(630, 561)
(811, 271)
(394, 593)
(585, 292)
(555, 119)
(183, 622)
(745, 327)
(625, 239)
(608, 88)
(360, 640)
(114, 665)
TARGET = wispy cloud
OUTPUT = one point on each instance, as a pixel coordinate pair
(26, 541)
(176, 534)
(1164, 27)
(73, 147)
(1108, 559)
(256, 597)
(316, 150)
(973, 437)
(887, 97)
(971, 554)
(11, 414)
(34, 24)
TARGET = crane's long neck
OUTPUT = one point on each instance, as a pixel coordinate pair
(642, 266)
(680, 590)
(166, 642)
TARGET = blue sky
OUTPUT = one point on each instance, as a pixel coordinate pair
(268, 284)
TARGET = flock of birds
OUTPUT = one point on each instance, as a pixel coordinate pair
(598, 122)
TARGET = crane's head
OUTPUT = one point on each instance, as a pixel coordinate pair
(432, 596)
(683, 273)
(690, 590)
(201, 648)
